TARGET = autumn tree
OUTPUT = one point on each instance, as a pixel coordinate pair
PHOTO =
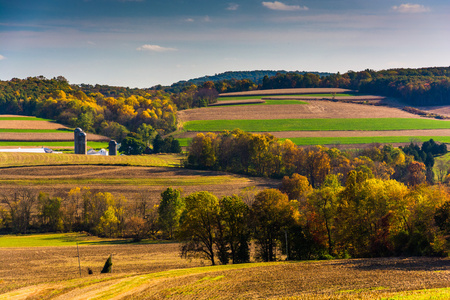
(324, 204)
(198, 226)
(295, 186)
(270, 214)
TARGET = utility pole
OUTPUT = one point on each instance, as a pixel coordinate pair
(79, 263)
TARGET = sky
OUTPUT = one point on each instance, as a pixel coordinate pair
(143, 43)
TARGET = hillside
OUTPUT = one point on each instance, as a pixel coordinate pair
(255, 76)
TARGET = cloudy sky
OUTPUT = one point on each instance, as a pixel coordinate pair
(142, 43)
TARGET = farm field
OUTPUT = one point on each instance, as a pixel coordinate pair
(316, 122)
(155, 271)
(360, 124)
(129, 181)
(22, 131)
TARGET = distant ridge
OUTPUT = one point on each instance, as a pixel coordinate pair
(255, 76)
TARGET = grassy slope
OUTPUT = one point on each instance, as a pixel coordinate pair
(368, 124)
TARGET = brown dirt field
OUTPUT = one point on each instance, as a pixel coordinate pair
(346, 98)
(45, 174)
(27, 124)
(28, 266)
(335, 279)
(288, 91)
(439, 110)
(315, 109)
(48, 136)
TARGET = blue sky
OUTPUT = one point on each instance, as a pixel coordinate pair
(142, 43)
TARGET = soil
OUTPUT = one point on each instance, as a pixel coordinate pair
(315, 109)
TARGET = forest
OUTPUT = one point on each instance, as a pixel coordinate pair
(119, 111)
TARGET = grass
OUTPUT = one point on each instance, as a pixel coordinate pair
(366, 124)
(185, 181)
(41, 159)
(53, 240)
(25, 118)
(53, 144)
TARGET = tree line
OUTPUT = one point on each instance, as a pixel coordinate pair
(264, 155)
(364, 217)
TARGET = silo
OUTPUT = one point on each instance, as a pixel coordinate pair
(112, 147)
(82, 143)
(76, 134)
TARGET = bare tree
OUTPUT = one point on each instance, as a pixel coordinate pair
(20, 205)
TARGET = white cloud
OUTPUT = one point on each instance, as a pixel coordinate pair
(232, 6)
(155, 48)
(2, 57)
(189, 20)
(409, 8)
(206, 19)
(281, 6)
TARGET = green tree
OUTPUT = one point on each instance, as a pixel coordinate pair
(147, 133)
(270, 214)
(132, 146)
(233, 216)
(50, 213)
(169, 211)
(198, 226)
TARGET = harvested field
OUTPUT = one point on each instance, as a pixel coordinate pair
(48, 136)
(157, 272)
(439, 110)
(288, 92)
(315, 109)
(130, 182)
(18, 126)
(27, 124)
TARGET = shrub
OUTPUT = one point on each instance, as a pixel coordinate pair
(107, 268)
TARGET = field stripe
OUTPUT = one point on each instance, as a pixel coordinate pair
(306, 141)
(274, 125)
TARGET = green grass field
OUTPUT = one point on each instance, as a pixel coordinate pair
(8, 159)
(25, 118)
(53, 240)
(367, 124)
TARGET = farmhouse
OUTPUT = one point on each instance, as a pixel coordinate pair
(102, 152)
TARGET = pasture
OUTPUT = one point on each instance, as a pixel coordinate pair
(273, 125)
(49, 269)
(315, 122)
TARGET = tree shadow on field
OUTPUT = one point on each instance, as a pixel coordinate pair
(399, 263)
